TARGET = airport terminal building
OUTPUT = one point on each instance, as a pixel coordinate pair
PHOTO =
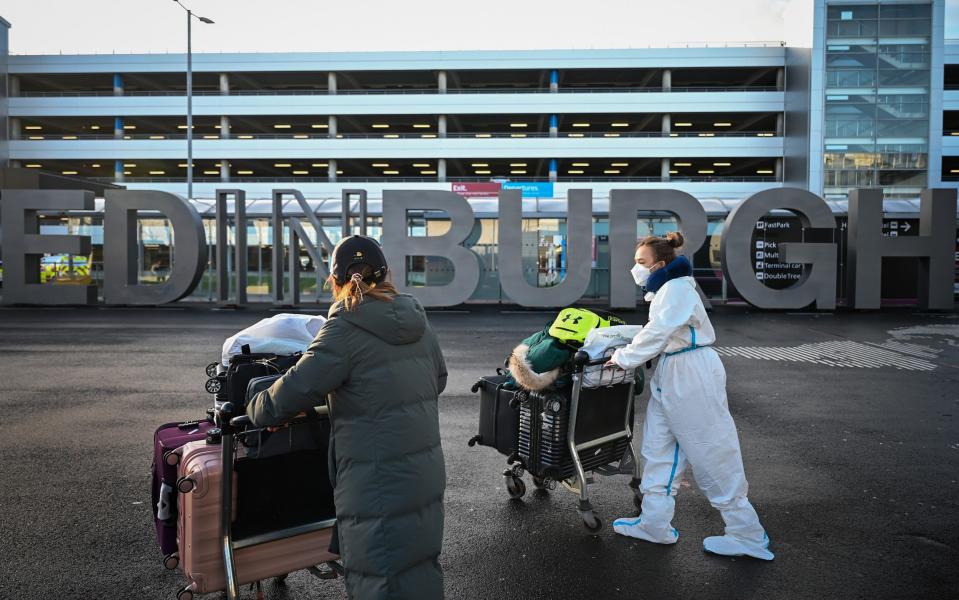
(873, 103)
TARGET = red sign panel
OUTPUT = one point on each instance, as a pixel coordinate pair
(479, 189)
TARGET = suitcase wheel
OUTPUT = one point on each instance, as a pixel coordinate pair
(541, 483)
(185, 485)
(211, 369)
(475, 388)
(171, 458)
(184, 594)
(515, 486)
(474, 440)
(171, 561)
(592, 522)
(213, 385)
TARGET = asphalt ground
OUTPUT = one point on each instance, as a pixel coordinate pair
(852, 469)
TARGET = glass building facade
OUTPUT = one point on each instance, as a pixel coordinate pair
(877, 92)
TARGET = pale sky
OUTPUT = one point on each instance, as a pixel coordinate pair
(124, 26)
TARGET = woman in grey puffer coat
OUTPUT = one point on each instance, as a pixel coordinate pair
(381, 365)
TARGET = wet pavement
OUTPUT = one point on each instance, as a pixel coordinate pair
(849, 426)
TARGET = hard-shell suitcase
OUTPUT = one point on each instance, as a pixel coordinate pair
(166, 439)
(544, 416)
(498, 416)
(265, 541)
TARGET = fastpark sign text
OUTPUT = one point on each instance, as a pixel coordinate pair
(934, 246)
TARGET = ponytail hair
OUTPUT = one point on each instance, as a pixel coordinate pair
(356, 288)
(664, 248)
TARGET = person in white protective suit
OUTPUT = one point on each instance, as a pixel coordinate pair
(687, 420)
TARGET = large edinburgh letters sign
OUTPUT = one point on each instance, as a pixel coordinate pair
(811, 265)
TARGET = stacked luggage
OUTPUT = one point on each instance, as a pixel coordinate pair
(232, 505)
(581, 424)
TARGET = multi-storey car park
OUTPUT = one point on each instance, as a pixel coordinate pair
(874, 103)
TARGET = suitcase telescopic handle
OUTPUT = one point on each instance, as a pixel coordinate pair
(244, 421)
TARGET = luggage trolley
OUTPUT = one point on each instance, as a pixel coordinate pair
(273, 531)
(565, 433)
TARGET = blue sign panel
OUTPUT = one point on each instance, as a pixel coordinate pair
(531, 189)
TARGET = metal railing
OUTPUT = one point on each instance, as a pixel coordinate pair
(454, 135)
(398, 91)
(342, 179)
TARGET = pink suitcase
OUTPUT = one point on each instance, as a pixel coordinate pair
(201, 544)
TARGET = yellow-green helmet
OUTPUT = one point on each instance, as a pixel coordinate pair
(573, 324)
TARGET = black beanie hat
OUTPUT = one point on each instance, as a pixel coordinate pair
(358, 250)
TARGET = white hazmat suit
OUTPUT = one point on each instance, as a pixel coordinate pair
(688, 422)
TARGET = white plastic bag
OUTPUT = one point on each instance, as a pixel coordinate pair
(284, 333)
(601, 343)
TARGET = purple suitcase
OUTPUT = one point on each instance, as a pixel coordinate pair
(169, 437)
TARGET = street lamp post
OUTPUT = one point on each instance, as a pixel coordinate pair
(189, 94)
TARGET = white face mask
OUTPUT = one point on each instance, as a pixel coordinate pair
(640, 274)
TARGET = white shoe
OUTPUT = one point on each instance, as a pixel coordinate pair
(728, 545)
(635, 528)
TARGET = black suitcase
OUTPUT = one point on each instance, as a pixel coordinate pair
(544, 424)
(231, 384)
(499, 414)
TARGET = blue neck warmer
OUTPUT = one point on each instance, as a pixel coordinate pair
(678, 267)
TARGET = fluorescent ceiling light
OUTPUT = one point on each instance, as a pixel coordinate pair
(682, 124)
(682, 164)
(673, 172)
(620, 124)
(301, 172)
(517, 164)
(518, 172)
(33, 166)
(94, 127)
(479, 164)
(619, 164)
(575, 135)
(32, 127)
(483, 172)
(211, 137)
(319, 126)
(127, 173)
(129, 126)
(517, 135)
(610, 135)
(674, 135)
(281, 165)
(611, 171)
(707, 134)
(244, 172)
(722, 124)
(575, 171)
(157, 137)
(580, 124)
(381, 125)
(391, 172)
(422, 165)
(320, 165)
(129, 165)
(211, 172)
(391, 135)
(36, 137)
(721, 164)
(580, 164)
(421, 125)
(428, 172)
(381, 165)
(245, 137)
(764, 172)
(483, 135)
(518, 124)
(428, 135)
(300, 137)
(282, 126)
(95, 165)
(69, 172)
(765, 134)
(157, 172)
(69, 137)
(706, 171)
